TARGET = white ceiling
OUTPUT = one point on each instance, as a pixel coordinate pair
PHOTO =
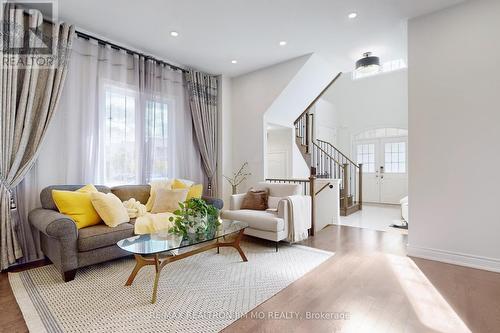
(214, 32)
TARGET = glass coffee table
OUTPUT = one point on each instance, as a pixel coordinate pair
(160, 248)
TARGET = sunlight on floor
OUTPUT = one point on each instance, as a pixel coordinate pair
(431, 308)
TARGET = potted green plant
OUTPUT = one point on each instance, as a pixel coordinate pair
(195, 218)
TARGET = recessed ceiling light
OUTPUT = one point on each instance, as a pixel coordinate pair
(353, 15)
(234, 61)
(283, 43)
(174, 33)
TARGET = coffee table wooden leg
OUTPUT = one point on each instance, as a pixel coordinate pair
(236, 245)
(140, 262)
(158, 268)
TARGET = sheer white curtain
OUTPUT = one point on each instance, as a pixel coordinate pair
(120, 116)
(122, 119)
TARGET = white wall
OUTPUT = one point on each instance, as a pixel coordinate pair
(276, 94)
(454, 117)
(279, 141)
(326, 120)
(372, 102)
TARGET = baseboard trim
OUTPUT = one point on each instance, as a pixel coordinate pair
(455, 258)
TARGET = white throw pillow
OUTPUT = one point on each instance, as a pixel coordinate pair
(168, 200)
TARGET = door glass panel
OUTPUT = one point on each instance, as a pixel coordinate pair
(395, 157)
(366, 156)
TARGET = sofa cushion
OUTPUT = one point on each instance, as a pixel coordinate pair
(46, 194)
(256, 219)
(101, 235)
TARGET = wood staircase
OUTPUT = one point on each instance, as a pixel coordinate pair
(326, 161)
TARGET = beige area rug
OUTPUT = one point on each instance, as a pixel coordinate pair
(202, 293)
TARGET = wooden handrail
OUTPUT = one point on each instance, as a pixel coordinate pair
(347, 158)
(318, 97)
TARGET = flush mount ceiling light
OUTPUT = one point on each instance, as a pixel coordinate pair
(283, 43)
(234, 61)
(174, 33)
(368, 64)
(352, 15)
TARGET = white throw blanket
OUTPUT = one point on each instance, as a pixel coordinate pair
(299, 217)
(146, 223)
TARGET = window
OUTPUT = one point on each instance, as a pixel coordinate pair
(395, 157)
(135, 137)
(120, 149)
(366, 156)
(381, 133)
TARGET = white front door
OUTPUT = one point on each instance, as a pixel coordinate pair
(385, 168)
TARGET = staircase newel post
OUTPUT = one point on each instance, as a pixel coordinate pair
(360, 185)
(346, 187)
(312, 193)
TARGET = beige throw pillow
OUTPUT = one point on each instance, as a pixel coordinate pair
(110, 208)
(168, 200)
(155, 185)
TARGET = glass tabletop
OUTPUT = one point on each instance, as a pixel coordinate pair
(164, 241)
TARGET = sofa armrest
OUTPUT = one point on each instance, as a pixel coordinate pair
(217, 203)
(236, 201)
(53, 224)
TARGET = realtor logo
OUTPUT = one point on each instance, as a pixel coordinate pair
(27, 35)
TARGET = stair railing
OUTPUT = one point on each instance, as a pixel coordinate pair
(352, 174)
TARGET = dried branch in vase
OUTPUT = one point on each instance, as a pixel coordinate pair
(238, 177)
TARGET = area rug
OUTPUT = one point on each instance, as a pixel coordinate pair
(202, 293)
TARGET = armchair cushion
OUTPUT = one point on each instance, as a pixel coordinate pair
(257, 219)
(279, 189)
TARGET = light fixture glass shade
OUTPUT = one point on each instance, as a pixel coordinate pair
(368, 64)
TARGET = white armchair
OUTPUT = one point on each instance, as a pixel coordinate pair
(274, 223)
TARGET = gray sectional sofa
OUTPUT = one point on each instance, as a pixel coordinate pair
(69, 248)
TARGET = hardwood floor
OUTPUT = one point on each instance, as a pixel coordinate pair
(371, 278)
(371, 281)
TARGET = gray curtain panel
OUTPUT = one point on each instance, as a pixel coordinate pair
(203, 100)
(29, 95)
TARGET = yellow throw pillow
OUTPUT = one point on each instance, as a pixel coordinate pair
(168, 200)
(195, 191)
(110, 208)
(77, 205)
(88, 189)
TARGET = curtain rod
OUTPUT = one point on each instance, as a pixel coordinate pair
(118, 47)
